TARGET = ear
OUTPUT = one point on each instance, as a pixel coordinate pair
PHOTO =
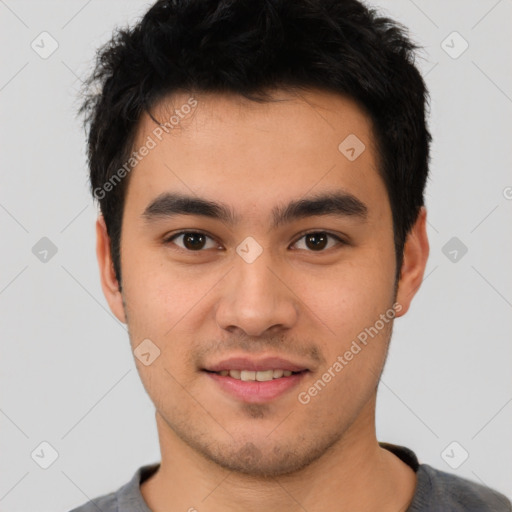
(416, 250)
(109, 282)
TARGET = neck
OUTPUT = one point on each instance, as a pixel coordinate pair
(354, 474)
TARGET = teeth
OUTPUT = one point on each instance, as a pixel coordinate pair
(261, 376)
(264, 376)
(236, 374)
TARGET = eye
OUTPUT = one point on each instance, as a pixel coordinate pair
(192, 241)
(195, 241)
(317, 241)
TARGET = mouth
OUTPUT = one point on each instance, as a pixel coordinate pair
(256, 379)
(257, 376)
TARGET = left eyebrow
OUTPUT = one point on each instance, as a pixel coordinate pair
(340, 204)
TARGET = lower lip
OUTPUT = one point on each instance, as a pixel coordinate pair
(254, 391)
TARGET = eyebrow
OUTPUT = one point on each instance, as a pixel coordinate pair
(340, 204)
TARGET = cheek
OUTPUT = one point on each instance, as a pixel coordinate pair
(171, 307)
(157, 292)
(350, 297)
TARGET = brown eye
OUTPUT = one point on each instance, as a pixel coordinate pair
(191, 241)
(317, 241)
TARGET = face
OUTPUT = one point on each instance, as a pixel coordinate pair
(294, 261)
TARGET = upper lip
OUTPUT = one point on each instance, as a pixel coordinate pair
(255, 364)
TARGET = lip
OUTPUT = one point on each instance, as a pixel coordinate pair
(254, 364)
(254, 391)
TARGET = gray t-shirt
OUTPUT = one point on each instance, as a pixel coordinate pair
(436, 491)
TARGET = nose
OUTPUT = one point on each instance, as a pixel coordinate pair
(256, 298)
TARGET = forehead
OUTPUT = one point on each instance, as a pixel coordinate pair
(307, 115)
(242, 152)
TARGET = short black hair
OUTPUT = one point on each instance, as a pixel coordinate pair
(248, 47)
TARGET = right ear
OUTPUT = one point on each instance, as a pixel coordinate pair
(109, 282)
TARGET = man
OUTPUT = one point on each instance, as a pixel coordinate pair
(260, 169)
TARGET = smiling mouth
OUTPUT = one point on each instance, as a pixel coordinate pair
(256, 376)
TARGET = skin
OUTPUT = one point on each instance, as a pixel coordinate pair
(220, 453)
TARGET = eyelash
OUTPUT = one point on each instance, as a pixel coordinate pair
(192, 232)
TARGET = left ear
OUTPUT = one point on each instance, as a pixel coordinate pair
(416, 250)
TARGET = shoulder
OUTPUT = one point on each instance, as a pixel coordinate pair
(105, 503)
(455, 494)
(127, 498)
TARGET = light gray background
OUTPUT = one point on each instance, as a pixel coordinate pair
(67, 374)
